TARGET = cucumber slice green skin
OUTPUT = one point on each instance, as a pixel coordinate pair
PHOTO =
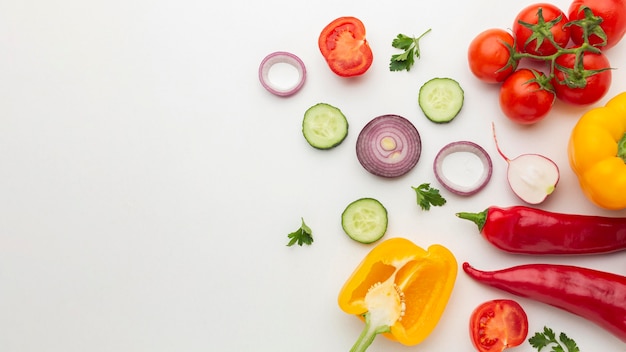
(365, 220)
(441, 99)
(324, 126)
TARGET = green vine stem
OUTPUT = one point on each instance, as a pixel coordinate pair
(575, 77)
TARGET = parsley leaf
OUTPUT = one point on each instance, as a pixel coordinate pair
(548, 337)
(427, 196)
(303, 235)
(411, 48)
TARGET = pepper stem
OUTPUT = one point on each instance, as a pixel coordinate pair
(385, 306)
(478, 218)
(621, 148)
(368, 335)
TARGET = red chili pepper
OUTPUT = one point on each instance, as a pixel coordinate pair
(526, 230)
(599, 297)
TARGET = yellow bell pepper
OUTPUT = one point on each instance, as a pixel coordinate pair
(399, 290)
(597, 153)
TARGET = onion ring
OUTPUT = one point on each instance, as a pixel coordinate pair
(463, 147)
(389, 146)
(277, 58)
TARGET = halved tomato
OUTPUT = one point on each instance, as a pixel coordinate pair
(343, 45)
(497, 325)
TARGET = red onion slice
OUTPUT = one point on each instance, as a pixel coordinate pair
(280, 57)
(470, 164)
(388, 146)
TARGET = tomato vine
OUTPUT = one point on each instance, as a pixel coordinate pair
(576, 76)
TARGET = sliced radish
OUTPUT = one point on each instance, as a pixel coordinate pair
(532, 177)
(463, 167)
(282, 73)
(388, 146)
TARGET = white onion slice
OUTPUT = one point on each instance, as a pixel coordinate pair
(388, 146)
(470, 175)
(282, 57)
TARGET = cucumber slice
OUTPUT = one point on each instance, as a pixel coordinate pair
(441, 99)
(365, 220)
(324, 126)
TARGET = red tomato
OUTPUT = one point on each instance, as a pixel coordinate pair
(343, 45)
(595, 86)
(525, 39)
(523, 100)
(489, 57)
(497, 325)
(613, 13)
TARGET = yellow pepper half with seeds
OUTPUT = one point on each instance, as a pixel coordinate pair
(597, 153)
(399, 290)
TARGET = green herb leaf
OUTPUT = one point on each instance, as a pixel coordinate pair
(569, 343)
(548, 338)
(427, 196)
(405, 60)
(303, 235)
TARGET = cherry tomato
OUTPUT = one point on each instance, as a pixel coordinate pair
(497, 325)
(525, 37)
(595, 86)
(613, 14)
(522, 98)
(343, 45)
(489, 57)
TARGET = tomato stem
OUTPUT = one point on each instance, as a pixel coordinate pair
(590, 24)
(575, 77)
(542, 30)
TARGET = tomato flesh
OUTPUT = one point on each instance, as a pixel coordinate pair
(488, 56)
(613, 13)
(345, 48)
(497, 325)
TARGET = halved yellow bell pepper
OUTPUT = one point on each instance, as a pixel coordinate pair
(597, 153)
(400, 290)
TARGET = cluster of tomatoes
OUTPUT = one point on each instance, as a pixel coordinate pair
(550, 55)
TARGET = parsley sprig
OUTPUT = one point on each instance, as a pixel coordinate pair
(303, 235)
(411, 48)
(548, 338)
(427, 196)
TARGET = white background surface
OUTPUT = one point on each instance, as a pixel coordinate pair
(148, 182)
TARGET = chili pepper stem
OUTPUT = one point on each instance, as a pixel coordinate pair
(478, 218)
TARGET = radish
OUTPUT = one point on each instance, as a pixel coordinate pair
(532, 177)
